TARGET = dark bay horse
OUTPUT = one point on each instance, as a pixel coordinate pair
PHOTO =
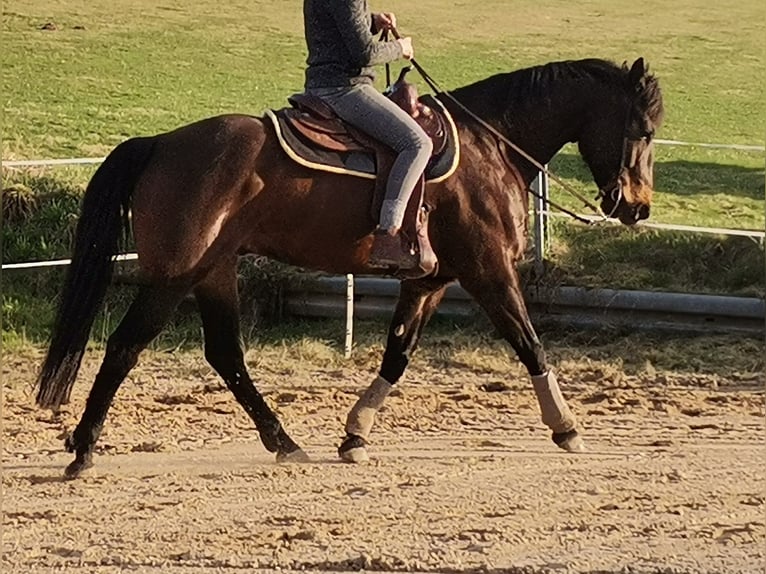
(200, 196)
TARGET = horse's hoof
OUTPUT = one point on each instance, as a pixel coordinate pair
(77, 467)
(298, 455)
(354, 450)
(355, 455)
(570, 441)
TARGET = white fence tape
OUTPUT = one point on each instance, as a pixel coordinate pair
(740, 147)
(93, 160)
(52, 162)
(663, 226)
(673, 227)
(61, 262)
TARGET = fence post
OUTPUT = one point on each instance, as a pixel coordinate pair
(541, 223)
(349, 315)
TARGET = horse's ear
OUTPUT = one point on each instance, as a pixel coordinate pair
(637, 71)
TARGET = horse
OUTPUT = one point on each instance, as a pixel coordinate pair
(200, 196)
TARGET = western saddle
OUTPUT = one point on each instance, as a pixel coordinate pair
(318, 125)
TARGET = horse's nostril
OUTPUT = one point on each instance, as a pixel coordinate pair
(642, 212)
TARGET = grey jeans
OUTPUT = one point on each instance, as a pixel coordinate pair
(364, 107)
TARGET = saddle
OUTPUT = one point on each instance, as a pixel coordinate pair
(317, 122)
(313, 135)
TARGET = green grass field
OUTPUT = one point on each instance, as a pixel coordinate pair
(108, 71)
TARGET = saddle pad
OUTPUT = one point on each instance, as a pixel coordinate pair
(362, 164)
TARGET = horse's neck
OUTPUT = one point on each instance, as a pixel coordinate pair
(540, 129)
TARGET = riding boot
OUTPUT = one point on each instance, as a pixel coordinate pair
(389, 249)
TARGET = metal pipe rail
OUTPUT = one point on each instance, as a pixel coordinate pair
(575, 306)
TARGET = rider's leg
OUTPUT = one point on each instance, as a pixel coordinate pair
(364, 107)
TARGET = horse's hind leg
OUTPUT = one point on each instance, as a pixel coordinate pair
(218, 302)
(418, 300)
(500, 296)
(144, 320)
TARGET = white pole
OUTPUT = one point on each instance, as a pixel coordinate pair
(349, 315)
(540, 187)
(545, 190)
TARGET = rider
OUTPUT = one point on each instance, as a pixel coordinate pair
(341, 53)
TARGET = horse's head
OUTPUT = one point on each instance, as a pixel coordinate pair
(617, 144)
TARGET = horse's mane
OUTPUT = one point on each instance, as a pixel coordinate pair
(516, 89)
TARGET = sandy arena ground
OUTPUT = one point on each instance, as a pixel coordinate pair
(463, 478)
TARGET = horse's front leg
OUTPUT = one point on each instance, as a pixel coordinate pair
(499, 293)
(418, 300)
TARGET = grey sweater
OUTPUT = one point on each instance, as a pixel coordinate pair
(341, 46)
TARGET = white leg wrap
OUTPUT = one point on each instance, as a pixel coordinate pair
(555, 412)
(362, 415)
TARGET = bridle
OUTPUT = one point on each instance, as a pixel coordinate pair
(434, 85)
(627, 161)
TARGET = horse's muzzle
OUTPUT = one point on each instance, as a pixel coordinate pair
(632, 214)
(615, 204)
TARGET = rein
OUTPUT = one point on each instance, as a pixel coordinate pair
(434, 85)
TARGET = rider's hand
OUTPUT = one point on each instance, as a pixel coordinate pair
(407, 51)
(384, 21)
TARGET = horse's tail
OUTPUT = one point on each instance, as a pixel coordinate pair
(103, 220)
